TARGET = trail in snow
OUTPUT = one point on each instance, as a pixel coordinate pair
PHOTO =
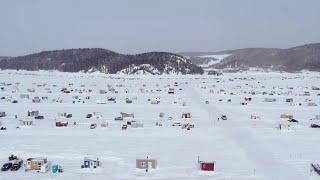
(238, 131)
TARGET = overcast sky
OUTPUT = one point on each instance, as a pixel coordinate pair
(133, 26)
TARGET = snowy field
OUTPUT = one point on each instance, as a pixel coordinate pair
(249, 145)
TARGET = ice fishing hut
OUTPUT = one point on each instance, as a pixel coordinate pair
(206, 165)
(186, 115)
(171, 91)
(97, 115)
(61, 114)
(31, 90)
(312, 104)
(36, 100)
(3, 114)
(289, 100)
(136, 124)
(111, 98)
(26, 123)
(286, 116)
(102, 91)
(91, 163)
(61, 123)
(161, 115)
(24, 96)
(33, 113)
(270, 99)
(101, 102)
(127, 115)
(104, 124)
(146, 163)
(56, 169)
(37, 164)
(155, 101)
(128, 100)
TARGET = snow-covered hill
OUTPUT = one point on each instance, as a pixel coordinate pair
(299, 58)
(102, 60)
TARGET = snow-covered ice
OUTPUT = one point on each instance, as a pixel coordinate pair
(243, 148)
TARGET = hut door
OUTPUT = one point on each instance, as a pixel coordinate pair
(149, 165)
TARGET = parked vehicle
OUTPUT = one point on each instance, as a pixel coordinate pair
(315, 126)
(93, 126)
(293, 120)
(6, 166)
(39, 117)
(177, 124)
(56, 169)
(89, 116)
(124, 127)
(224, 117)
(118, 119)
(3, 128)
(16, 165)
(69, 116)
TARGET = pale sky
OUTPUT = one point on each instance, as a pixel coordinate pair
(134, 26)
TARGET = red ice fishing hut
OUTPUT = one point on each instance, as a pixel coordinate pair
(206, 166)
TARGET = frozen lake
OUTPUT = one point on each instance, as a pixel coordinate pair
(248, 145)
